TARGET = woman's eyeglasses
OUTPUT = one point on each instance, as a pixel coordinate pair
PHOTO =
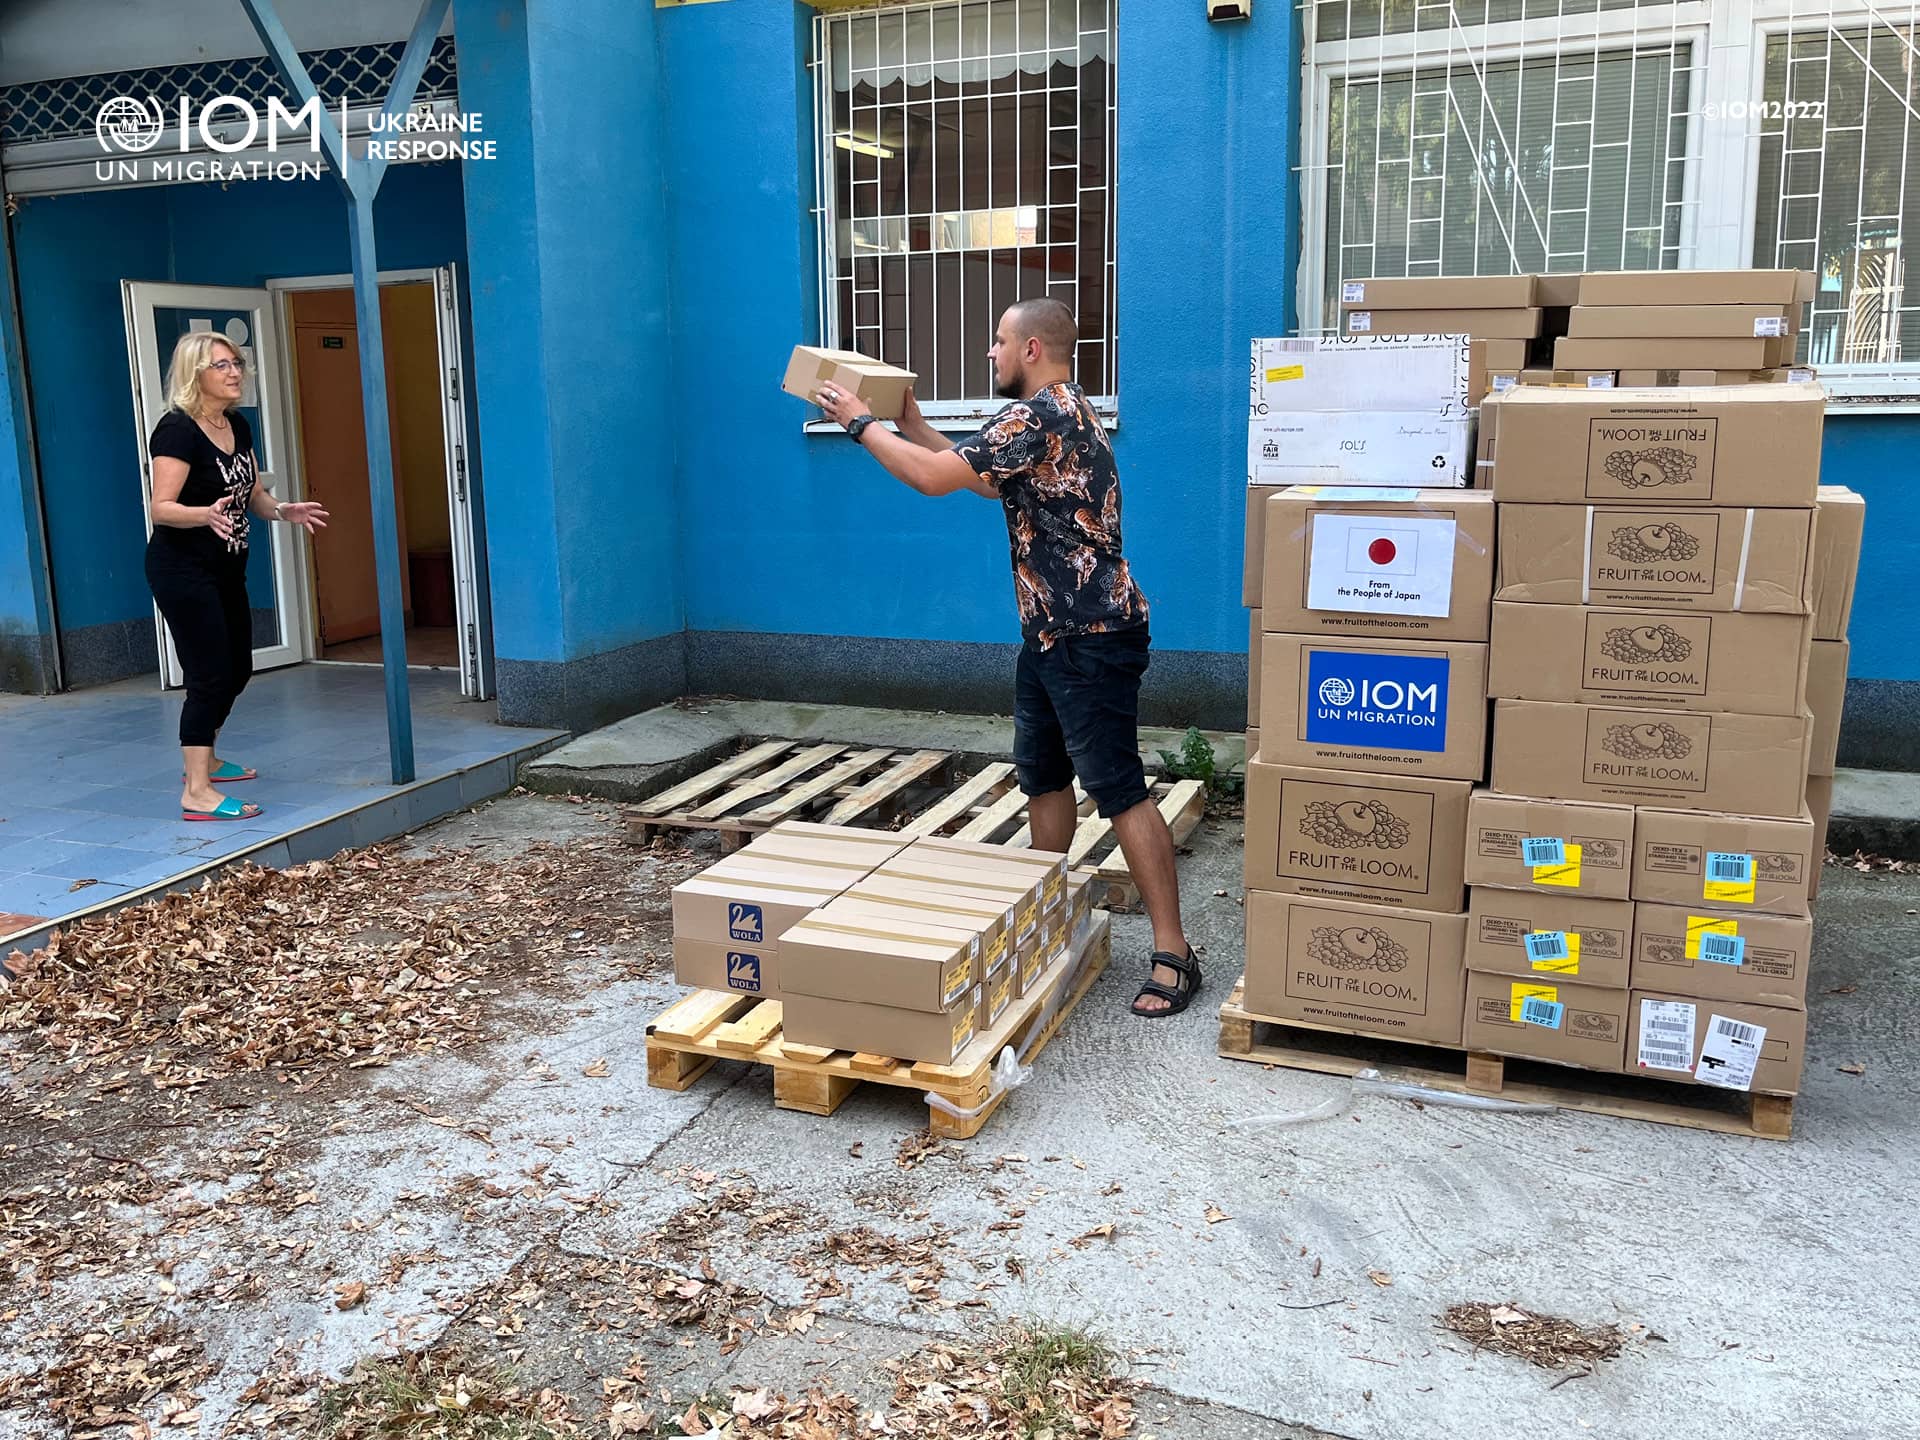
(228, 367)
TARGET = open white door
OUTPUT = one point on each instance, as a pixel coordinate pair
(157, 316)
(463, 500)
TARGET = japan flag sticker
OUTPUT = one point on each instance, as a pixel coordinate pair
(1381, 564)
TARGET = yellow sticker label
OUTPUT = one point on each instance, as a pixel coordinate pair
(1523, 992)
(1286, 372)
(1729, 892)
(997, 950)
(1028, 917)
(1566, 876)
(962, 1031)
(1698, 925)
(1036, 962)
(957, 983)
(1568, 964)
(1001, 994)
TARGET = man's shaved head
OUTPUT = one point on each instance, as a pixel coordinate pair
(1048, 321)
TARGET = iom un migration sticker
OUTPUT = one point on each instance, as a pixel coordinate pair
(1380, 701)
(743, 972)
(744, 922)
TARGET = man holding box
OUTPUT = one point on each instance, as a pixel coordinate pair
(1046, 459)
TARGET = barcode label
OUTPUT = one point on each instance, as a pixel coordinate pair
(1535, 1011)
(1799, 376)
(1502, 384)
(1359, 322)
(1724, 949)
(1547, 945)
(1736, 869)
(1543, 850)
(1730, 1054)
(1599, 382)
(1740, 1034)
(1768, 327)
(1666, 1036)
(1354, 292)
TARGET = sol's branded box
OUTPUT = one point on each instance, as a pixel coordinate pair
(1745, 764)
(882, 387)
(1412, 564)
(1729, 862)
(1551, 937)
(1724, 1043)
(1383, 706)
(1560, 847)
(1545, 1018)
(1755, 561)
(1658, 659)
(1729, 445)
(1715, 955)
(1836, 559)
(1365, 969)
(1826, 698)
(1384, 839)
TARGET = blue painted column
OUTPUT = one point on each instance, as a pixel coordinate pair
(28, 661)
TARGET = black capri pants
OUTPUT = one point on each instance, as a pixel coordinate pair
(206, 608)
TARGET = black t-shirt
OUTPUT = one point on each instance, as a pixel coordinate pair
(211, 473)
(1050, 459)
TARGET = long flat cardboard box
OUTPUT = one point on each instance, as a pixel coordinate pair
(990, 916)
(1697, 287)
(1745, 764)
(1730, 445)
(1755, 562)
(1717, 955)
(923, 1036)
(1536, 935)
(1826, 698)
(1557, 292)
(1488, 358)
(1559, 847)
(1725, 1043)
(743, 969)
(749, 910)
(1020, 891)
(1253, 671)
(1732, 322)
(1390, 707)
(1837, 539)
(1820, 809)
(1729, 862)
(1399, 564)
(882, 387)
(1440, 292)
(1363, 969)
(1254, 562)
(1685, 352)
(837, 854)
(866, 915)
(1481, 324)
(1383, 839)
(932, 972)
(1751, 663)
(853, 834)
(1563, 1022)
(1049, 865)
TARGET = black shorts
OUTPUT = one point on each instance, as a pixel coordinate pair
(1076, 713)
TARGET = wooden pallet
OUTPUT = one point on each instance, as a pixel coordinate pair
(686, 1039)
(1300, 1046)
(913, 791)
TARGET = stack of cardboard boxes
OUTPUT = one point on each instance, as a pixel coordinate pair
(1685, 327)
(1644, 863)
(1372, 701)
(1512, 321)
(879, 944)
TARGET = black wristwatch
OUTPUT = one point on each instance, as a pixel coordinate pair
(857, 426)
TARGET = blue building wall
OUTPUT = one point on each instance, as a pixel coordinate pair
(73, 251)
(794, 543)
(1878, 455)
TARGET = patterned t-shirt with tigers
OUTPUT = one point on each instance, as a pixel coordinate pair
(1050, 460)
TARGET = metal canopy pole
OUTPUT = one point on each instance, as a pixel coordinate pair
(359, 181)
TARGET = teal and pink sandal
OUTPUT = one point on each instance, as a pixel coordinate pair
(227, 809)
(229, 773)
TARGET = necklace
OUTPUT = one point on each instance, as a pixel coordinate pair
(220, 422)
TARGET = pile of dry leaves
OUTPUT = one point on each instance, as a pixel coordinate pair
(358, 960)
(1027, 1381)
(1544, 1340)
(105, 1378)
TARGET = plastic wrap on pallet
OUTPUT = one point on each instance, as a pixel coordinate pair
(1368, 1082)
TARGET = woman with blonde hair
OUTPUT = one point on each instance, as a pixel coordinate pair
(205, 486)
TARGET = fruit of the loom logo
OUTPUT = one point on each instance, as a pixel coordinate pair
(1354, 825)
(1644, 469)
(1360, 947)
(1663, 951)
(1646, 642)
(1778, 866)
(1648, 543)
(1646, 742)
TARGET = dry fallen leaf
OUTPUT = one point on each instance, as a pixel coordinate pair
(1215, 1215)
(755, 1406)
(1507, 1315)
(598, 1070)
(1099, 1232)
(1855, 1069)
(349, 1295)
(1380, 1277)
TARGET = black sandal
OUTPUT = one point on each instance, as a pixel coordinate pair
(1177, 1000)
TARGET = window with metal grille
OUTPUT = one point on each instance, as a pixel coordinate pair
(965, 161)
(1460, 137)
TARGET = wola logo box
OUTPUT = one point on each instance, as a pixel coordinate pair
(1377, 706)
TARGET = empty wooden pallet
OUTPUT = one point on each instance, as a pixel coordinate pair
(1298, 1046)
(686, 1039)
(915, 792)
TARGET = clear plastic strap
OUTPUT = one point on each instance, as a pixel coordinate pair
(1368, 1082)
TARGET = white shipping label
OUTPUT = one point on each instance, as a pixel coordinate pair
(1730, 1053)
(1360, 322)
(1599, 382)
(1666, 1035)
(1381, 564)
(1769, 327)
(1353, 292)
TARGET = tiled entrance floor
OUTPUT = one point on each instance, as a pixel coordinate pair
(90, 781)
